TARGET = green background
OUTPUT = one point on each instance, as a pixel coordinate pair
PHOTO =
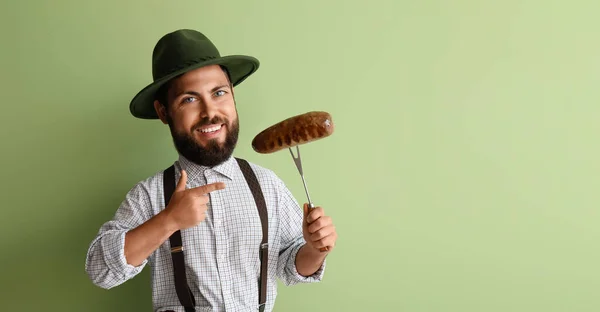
(462, 176)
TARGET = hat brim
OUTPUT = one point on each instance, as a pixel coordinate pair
(238, 66)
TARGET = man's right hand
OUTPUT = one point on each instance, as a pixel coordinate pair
(187, 208)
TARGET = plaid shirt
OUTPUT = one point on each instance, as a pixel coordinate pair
(221, 253)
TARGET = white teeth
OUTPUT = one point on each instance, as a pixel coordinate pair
(211, 129)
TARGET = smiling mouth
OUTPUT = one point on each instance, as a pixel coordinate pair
(211, 129)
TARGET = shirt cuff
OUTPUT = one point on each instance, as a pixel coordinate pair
(315, 277)
(114, 246)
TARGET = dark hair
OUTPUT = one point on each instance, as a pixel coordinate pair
(161, 93)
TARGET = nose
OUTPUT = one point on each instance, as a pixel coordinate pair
(208, 109)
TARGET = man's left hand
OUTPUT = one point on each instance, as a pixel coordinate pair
(318, 229)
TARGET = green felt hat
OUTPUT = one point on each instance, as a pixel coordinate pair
(179, 52)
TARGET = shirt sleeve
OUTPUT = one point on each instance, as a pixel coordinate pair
(292, 240)
(105, 262)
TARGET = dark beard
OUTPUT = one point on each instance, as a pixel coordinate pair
(211, 155)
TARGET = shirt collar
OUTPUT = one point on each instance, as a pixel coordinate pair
(194, 170)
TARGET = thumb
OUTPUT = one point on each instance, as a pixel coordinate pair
(182, 181)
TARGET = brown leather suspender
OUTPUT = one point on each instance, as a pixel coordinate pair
(186, 298)
(264, 245)
(181, 287)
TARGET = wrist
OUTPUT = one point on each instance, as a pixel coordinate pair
(167, 222)
(314, 253)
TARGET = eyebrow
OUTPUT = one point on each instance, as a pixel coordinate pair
(219, 87)
(194, 93)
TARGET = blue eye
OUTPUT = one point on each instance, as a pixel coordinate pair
(220, 93)
(188, 100)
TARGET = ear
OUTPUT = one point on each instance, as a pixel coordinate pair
(160, 111)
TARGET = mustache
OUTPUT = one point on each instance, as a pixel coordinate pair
(215, 120)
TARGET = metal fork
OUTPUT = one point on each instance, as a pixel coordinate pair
(298, 163)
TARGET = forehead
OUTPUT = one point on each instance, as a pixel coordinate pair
(199, 79)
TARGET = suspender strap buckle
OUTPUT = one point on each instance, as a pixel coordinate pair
(177, 249)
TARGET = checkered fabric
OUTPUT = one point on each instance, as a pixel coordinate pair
(221, 253)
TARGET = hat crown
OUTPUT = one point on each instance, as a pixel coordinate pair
(180, 49)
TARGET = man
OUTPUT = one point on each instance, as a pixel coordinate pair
(212, 247)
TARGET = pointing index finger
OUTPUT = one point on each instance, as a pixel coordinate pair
(205, 189)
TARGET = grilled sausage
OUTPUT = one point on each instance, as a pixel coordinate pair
(294, 131)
